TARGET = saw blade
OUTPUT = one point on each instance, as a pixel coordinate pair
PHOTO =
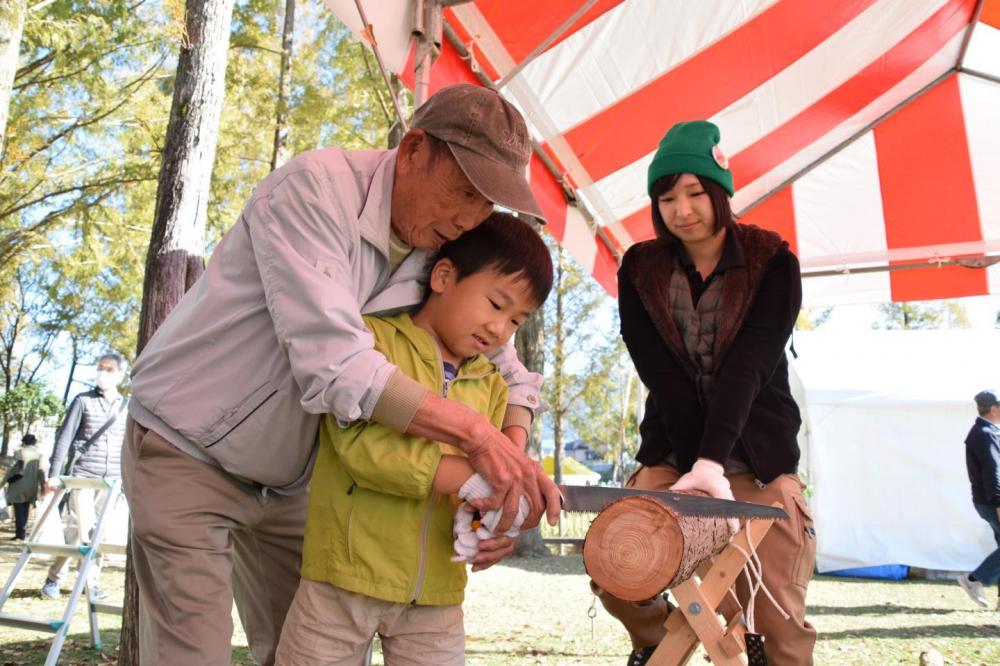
(593, 499)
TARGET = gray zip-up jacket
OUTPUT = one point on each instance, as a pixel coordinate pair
(87, 414)
(271, 336)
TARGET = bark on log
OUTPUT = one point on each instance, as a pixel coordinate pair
(637, 547)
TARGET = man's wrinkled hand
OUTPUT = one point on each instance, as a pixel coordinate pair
(512, 474)
(491, 519)
(506, 469)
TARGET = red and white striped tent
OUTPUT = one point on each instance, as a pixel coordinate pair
(867, 132)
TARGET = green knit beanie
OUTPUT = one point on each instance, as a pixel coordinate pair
(691, 147)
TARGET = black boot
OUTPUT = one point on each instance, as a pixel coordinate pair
(640, 656)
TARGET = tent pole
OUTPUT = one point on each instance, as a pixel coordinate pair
(976, 13)
(538, 50)
(965, 262)
(427, 30)
(843, 144)
(369, 36)
(979, 75)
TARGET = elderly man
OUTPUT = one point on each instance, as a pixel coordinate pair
(228, 392)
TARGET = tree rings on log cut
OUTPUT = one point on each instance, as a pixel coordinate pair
(637, 547)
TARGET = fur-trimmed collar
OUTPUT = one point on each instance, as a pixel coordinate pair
(651, 263)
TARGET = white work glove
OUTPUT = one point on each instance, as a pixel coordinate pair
(466, 540)
(709, 477)
(491, 519)
(475, 488)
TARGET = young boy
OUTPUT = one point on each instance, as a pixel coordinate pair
(378, 544)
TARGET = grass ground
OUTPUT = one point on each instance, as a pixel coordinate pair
(535, 612)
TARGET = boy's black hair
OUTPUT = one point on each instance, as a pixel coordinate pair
(508, 246)
(721, 206)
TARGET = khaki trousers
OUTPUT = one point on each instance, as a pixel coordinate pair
(81, 513)
(788, 556)
(327, 625)
(200, 539)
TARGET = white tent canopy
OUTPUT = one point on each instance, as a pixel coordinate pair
(885, 421)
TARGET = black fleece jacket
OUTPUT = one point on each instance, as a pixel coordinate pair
(751, 410)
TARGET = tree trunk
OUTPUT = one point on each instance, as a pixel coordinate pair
(175, 258)
(280, 153)
(12, 13)
(619, 474)
(558, 408)
(530, 345)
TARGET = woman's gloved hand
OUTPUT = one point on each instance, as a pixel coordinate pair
(709, 477)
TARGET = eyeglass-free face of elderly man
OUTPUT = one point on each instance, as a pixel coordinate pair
(227, 394)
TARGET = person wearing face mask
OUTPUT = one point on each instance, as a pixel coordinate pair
(88, 444)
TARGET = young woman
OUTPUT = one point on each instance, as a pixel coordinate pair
(707, 308)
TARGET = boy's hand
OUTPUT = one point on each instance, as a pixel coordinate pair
(466, 541)
(492, 551)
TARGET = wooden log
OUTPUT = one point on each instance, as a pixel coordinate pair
(637, 547)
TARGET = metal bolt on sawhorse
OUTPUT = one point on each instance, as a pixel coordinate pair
(86, 553)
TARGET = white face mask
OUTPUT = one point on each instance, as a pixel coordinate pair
(107, 380)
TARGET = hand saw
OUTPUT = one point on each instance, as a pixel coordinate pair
(594, 498)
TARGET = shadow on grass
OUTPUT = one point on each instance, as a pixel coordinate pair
(26, 593)
(881, 609)
(848, 580)
(533, 653)
(927, 631)
(76, 650)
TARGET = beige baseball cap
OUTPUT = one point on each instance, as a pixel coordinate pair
(489, 140)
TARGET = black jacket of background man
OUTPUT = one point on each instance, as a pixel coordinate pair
(751, 411)
(982, 460)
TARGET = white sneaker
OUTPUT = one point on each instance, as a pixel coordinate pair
(975, 590)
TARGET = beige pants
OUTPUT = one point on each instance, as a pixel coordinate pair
(787, 553)
(200, 539)
(327, 625)
(81, 512)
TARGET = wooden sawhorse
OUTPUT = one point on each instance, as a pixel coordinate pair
(696, 618)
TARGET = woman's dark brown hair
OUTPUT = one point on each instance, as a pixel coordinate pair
(717, 195)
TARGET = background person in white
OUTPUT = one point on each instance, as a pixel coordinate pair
(227, 394)
(90, 441)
